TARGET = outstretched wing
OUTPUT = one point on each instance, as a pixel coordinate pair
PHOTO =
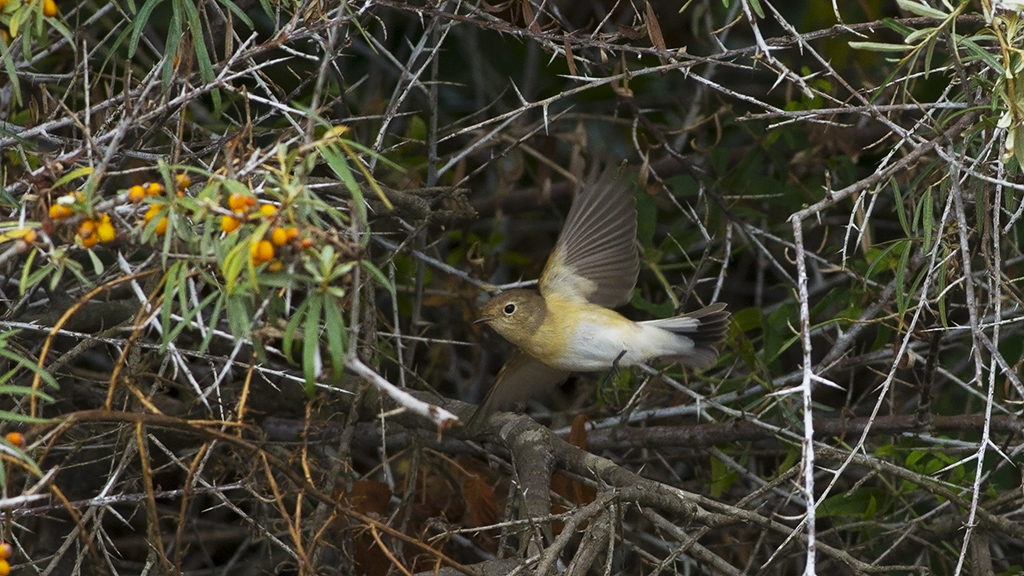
(520, 378)
(595, 258)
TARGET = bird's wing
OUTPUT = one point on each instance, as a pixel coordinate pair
(595, 258)
(522, 377)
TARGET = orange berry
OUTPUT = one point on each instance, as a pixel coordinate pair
(30, 236)
(279, 237)
(87, 228)
(154, 188)
(154, 209)
(5, 568)
(105, 231)
(229, 224)
(17, 439)
(275, 266)
(49, 8)
(136, 193)
(268, 210)
(6, 550)
(293, 233)
(240, 202)
(262, 251)
(307, 243)
(60, 211)
(88, 241)
(182, 181)
(161, 226)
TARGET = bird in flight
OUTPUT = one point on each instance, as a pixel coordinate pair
(569, 325)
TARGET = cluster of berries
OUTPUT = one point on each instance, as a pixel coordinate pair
(15, 439)
(14, 13)
(98, 228)
(244, 208)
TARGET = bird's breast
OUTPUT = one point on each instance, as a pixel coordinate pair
(580, 336)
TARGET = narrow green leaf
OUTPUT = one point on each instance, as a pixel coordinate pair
(139, 24)
(334, 326)
(20, 362)
(927, 213)
(901, 210)
(880, 47)
(921, 9)
(78, 173)
(12, 71)
(290, 330)
(902, 293)
(382, 280)
(756, 5)
(213, 321)
(311, 342)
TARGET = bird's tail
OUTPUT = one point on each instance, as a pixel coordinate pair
(705, 327)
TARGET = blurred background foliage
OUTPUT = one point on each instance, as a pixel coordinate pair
(234, 234)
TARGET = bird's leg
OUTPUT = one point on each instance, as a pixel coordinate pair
(615, 363)
(614, 372)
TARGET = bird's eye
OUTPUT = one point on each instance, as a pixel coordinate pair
(510, 308)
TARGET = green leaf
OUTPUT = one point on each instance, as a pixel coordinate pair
(213, 321)
(902, 293)
(382, 280)
(756, 6)
(238, 315)
(311, 343)
(291, 329)
(880, 47)
(900, 208)
(195, 29)
(77, 173)
(339, 165)
(921, 9)
(722, 477)
(139, 24)
(334, 326)
(12, 71)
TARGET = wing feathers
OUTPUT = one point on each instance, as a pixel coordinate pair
(521, 378)
(595, 258)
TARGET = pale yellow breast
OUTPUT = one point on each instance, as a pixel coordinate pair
(579, 335)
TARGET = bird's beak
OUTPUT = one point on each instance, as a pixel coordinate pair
(483, 319)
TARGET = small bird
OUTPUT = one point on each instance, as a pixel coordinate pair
(569, 325)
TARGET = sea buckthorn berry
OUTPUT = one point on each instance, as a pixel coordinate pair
(59, 211)
(307, 243)
(49, 8)
(268, 210)
(5, 568)
(6, 550)
(136, 193)
(262, 251)
(182, 181)
(151, 213)
(229, 224)
(105, 230)
(87, 228)
(292, 232)
(161, 226)
(279, 237)
(240, 202)
(88, 241)
(154, 188)
(275, 266)
(30, 236)
(17, 439)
